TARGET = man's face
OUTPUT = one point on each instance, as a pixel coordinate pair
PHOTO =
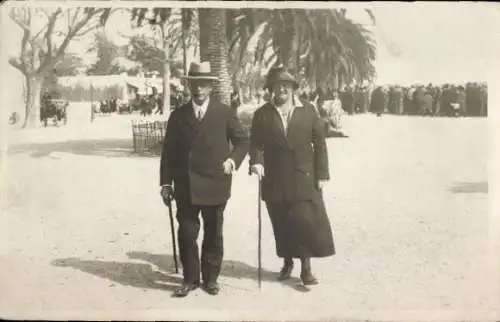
(283, 92)
(200, 90)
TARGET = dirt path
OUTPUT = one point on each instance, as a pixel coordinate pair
(83, 232)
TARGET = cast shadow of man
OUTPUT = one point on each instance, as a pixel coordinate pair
(139, 275)
(230, 268)
(143, 275)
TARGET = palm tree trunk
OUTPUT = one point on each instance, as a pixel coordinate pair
(184, 50)
(166, 70)
(214, 48)
(297, 53)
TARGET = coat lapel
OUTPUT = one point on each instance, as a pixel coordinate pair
(296, 116)
(295, 122)
(207, 119)
(209, 113)
(189, 117)
(277, 126)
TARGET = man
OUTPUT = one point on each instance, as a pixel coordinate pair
(198, 160)
(419, 100)
(288, 151)
(235, 100)
(378, 101)
(461, 100)
(347, 99)
(427, 103)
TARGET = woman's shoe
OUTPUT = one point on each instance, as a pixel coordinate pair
(286, 271)
(308, 278)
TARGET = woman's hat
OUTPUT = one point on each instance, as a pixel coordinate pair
(200, 71)
(280, 74)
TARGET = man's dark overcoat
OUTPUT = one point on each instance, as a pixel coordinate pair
(194, 151)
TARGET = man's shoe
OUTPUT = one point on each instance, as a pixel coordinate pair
(307, 278)
(286, 272)
(184, 290)
(212, 288)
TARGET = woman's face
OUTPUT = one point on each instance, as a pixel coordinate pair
(283, 92)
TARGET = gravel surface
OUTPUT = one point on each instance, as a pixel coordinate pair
(84, 234)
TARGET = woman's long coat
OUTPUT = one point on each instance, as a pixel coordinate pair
(293, 160)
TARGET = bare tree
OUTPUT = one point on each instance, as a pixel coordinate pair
(47, 32)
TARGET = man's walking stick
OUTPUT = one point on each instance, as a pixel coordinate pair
(259, 272)
(172, 229)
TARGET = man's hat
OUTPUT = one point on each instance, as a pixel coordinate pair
(200, 71)
(280, 74)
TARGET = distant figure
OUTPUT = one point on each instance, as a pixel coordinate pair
(347, 98)
(378, 101)
(14, 118)
(235, 100)
(462, 101)
(159, 103)
(427, 103)
(331, 112)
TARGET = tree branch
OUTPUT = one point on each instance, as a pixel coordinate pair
(87, 30)
(14, 62)
(24, 42)
(48, 34)
(77, 10)
(18, 22)
(51, 60)
(40, 32)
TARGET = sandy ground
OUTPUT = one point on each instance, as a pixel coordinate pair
(84, 234)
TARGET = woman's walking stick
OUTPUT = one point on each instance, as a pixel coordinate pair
(259, 272)
(172, 229)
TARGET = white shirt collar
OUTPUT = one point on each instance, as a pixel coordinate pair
(203, 106)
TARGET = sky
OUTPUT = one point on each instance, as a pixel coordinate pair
(435, 42)
(416, 42)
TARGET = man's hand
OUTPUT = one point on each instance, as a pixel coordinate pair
(321, 184)
(257, 169)
(228, 166)
(167, 193)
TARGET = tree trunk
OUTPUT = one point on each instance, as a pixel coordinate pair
(214, 48)
(184, 52)
(32, 108)
(297, 49)
(166, 71)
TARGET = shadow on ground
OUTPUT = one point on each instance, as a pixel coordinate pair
(105, 148)
(129, 274)
(142, 275)
(470, 187)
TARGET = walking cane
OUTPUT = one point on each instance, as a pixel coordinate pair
(259, 260)
(173, 236)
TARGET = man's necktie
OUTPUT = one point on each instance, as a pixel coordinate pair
(286, 119)
(199, 114)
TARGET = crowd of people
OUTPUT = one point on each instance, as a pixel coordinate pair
(469, 99)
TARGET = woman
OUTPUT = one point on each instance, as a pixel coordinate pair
(288, 151)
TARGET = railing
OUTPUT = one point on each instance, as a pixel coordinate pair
(148, 136)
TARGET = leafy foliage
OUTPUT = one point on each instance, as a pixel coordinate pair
(143, 51)
(107, 53)
(317, 44)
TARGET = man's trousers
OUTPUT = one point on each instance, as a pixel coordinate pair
(188, 217)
